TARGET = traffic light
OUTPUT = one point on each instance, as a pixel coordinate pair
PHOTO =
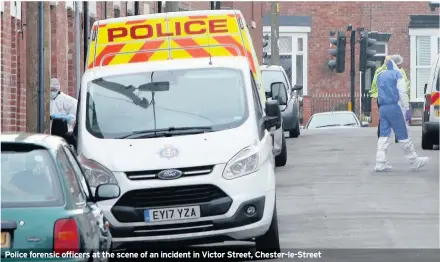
(339, 41)
(265, 40)
(367, 52)
(265, 43)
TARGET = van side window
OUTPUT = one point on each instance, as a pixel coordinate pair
(257, 100)
(259, 113)
(437, 85)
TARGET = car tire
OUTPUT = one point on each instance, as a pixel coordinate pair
(270, 241)
(426, 142)
(295, 132)
(281, 159)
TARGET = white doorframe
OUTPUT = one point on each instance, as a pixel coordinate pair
(296, 32)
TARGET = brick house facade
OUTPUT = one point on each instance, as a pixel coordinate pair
(306, 24)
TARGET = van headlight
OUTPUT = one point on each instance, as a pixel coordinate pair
(95, 173)
(246, 162)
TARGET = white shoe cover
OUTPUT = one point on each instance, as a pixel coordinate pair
(420, 162)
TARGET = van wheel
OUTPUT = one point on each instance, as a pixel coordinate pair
(270, 241)
(281, 159)
(295, 132)
(426, 142)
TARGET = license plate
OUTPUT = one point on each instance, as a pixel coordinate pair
(437, 113)
(172, 213)
(5, 240)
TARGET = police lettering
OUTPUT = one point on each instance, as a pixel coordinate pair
(192, 27)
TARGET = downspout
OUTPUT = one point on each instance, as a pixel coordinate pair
(40, 122)
(86, 30)
(77, 48)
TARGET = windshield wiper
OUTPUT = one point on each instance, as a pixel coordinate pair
(170, 131)
(350, 124)
(328, 125)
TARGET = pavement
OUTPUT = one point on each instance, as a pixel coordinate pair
(328, 195)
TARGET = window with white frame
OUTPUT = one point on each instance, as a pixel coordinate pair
(117, 8)
(92, 8)
(130, 8)
(425, 46)
(15, 9)
(293, 53)
(146, 9)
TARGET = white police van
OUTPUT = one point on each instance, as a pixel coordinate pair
(190, 168)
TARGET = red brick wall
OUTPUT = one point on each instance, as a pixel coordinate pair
(13, 90)
(390, 17)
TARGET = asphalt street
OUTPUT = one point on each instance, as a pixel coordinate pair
(328, 195)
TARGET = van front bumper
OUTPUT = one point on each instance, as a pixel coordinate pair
(221, 219)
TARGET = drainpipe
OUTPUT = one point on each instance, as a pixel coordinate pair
(86, 30)
(40, 122)
(77, 48)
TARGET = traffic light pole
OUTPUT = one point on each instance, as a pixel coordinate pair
(274, 34)
(352, 68)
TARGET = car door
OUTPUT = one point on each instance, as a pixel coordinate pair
(83, 214)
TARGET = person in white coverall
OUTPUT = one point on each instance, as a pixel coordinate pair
(394, 111)
(62, 106)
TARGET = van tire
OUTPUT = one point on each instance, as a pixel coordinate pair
(426, 142)
(270, 241)
(295, 132)
(281, 159)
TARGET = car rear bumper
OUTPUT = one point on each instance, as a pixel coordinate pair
(289, 121)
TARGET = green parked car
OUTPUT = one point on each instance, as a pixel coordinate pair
(48, 211)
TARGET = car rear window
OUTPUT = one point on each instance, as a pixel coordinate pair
(28, 177)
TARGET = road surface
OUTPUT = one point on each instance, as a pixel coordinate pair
(328, 195)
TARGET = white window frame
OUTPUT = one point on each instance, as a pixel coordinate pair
(15, 9)
(93, 12)
(2, 6)
(117, 4)
(146, 10)
(295, 32)
(413, 33)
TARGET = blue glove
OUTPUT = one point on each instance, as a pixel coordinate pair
(57, 116)
(67, 118)
(408, 115)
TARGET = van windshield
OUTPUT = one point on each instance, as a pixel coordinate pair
(213, 98)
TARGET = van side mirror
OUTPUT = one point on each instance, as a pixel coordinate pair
(297, 87)
(425, 88)
(364, 124)
(273, 115)
(107, 191)
(279, 93)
